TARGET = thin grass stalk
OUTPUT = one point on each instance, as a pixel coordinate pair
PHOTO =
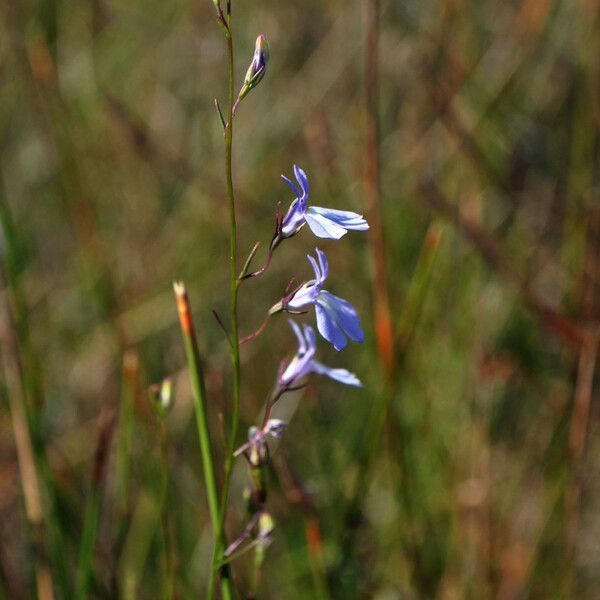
(32, 391)
(199, 395)
(92, 510)
(372, 188)
(220, 543)
(30, 481)
(314, 548)
(88, 539)
(14, 261)
(169, 563)
(583, 391)
(128, 388)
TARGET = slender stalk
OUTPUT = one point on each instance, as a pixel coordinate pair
(30, 483)
(169, 575)
(128, 389)
(198, 392)
(88, 539)
(31, 388)
(92, 510)
(275, 395)
(386, 349)
(220, 545)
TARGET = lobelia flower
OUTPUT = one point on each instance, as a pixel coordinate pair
(336, 317)
(274, 428)
(256, 70)
(323, 222)
(303, 362)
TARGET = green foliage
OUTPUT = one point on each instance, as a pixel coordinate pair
(456, 480)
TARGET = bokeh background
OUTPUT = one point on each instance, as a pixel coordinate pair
(469, 465)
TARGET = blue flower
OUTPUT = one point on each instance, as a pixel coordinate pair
(324, 222)
(303, 362)
(336, 318)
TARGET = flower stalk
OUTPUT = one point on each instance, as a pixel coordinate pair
(220, 544)
(336, 320)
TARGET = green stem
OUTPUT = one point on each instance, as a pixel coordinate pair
(198, 391)
(128, 390)
(199, 395)
(169, 576)
(88, 541)
(33, 396)
(92, 511)
(225, 573)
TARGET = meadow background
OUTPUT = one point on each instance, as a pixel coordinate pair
(469, 465)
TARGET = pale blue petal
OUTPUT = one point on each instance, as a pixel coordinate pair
(341, 375)
(311, 339)
(293, 219)
(315, 266)
(344, 314)
(299, 336)
(323, 263)
(292, 185)
(324, 228)
(302, 179)
(329, 329)
(305, 295)
(300, 364)
(343, 218)
(298, 368)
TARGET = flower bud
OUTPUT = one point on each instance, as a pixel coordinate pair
(161, 396)
(266, 526)
(166, 393)
(264, 537)
(256, 70)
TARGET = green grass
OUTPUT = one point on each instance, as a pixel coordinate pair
(472, 473)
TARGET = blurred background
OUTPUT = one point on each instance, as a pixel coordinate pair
(467, 132)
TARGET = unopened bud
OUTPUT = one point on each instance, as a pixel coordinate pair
(257, 68)
(266, 526)
(166, 394)
(161, 396)
(264, 537)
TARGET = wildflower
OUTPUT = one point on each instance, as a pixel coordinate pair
(336, 318)
(256, 70)
(323, 222)
(274, 428)
(303, 362)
